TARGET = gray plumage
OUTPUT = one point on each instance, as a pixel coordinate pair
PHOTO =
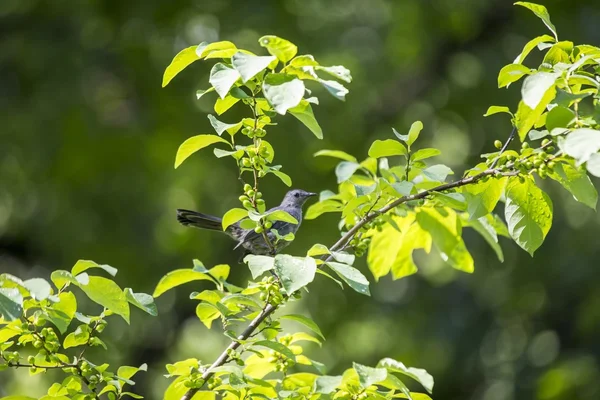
(252, 242)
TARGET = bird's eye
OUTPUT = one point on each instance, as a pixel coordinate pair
(296, 194)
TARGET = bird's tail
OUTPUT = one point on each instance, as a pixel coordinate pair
(199, 220)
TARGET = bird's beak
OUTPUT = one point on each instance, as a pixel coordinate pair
(310, 194)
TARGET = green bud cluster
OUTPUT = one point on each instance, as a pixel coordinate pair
(235, 356)
(252, 133)
(529, 160)
(270, 290)
(214, 382)
(256, 158)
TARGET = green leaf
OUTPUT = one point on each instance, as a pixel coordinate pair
(327, 384)
(221, 127)
(338, 71)
(531, 45)
(345, 169)
(200, 92)
(353, 277)
(316, 209)
(294, 272)
(559, 117)
(222, 49)
(285, 178)
(142, 301)
(232, 216)
(60, 278)
(11, 303)
(528, 213)
(108, 294)
(176, 278)
(487, 231)
(413, 133)
(39, 288)
(222, 78)
(79, 337)
(61, 313)
(511, 73)
(369, 376)
(445, 229)
(541, 12)
(336, 154)
(309, 323)
(282, 49)
(576, 181)
(184, 58)
(483, 196)
(127, 372)
(336, 89)
(278, 347)
(535, 87)
(195, 143)
(248, 65)
(207, 313)
(283, 91)
(259, 264)
(418, 374)
(438, 172)
(304, 113)
(83, 265)
(423, 154)
(526, 117)
(224, 104)
(387, 148)
(581, 144)
(593, 165)
(496, 109)
(280, 215)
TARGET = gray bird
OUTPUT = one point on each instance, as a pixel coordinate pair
(252, 242)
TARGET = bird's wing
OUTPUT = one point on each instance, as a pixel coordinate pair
(250, 235)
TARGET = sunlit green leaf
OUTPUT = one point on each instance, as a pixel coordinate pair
(497, 109)
(353, 277)
(581, 144)
(369, 376)
(283, 49)
(39, 288)
(221, 127)
(535, 87)
(304, 113)
(249, 65)
(222, 77)
(316, 209)
(283, 91)
(195, 143)
(108, 294)
(142, 301)
(576, 181)
(387, 148)
(79, 337)
(83, 265)
(423, 154)
(309, 323)
(345, 169)
(232, 216)
(178, 277)
(11, 303)
(418, 374)
(294, 272)
(336, 154)
(531, 45)
(542, 13)
(445, 229)
(511, 73)
(62, 312)
(184, 58)
(528, 213)
(483, 196)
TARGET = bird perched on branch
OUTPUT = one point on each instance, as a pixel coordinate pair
(251, 241)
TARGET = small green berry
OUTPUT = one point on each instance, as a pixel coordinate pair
(259, 229)
(525, 145)
(497, 144)
(247, 187)
(247, 204)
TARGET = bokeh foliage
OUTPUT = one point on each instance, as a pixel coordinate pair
(88, 140)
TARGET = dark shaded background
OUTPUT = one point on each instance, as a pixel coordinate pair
(88, 138)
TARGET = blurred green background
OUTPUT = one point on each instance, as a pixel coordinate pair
(88, 139)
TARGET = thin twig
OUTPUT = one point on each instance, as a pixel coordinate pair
(505, 146)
